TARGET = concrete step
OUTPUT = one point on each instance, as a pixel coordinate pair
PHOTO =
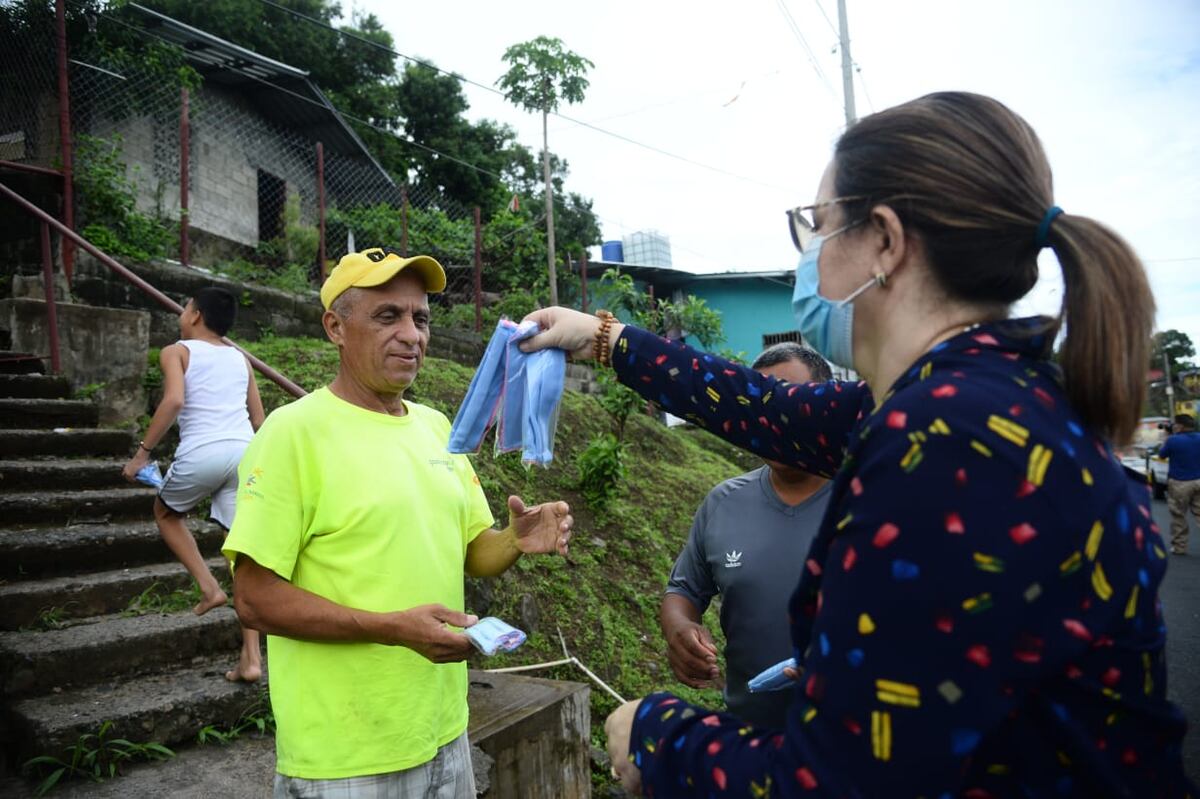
(20, 363)
(50, 551)
(168, 707)
(35, 385)
(76, 507)
(37, 474)
(68, 443)
(24, 603)
(26, 412)
(39, 662)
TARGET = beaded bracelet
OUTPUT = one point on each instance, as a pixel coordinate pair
(600, 351)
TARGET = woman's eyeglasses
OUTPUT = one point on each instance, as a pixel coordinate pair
(802, 225)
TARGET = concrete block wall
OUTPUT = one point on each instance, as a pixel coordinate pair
(262, 309)
(105, 346)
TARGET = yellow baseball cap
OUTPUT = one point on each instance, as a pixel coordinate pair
(376, 266)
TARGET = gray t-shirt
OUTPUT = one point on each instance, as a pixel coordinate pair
(750, 547)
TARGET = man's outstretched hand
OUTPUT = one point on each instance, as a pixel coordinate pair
(541, 528)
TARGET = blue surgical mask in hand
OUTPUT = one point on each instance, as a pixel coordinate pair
(522, 389)
(490, 635)
(150, 475)
(772, 679)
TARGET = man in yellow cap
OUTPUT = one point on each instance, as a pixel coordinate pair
(353, 530)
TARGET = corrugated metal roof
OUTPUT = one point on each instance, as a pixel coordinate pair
(667, 276)
(281, 92)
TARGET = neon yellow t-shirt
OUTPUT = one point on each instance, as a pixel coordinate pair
(369, 511)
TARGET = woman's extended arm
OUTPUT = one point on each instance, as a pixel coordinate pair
(804, 425)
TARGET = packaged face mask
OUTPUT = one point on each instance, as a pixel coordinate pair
(772, 679)
(521, 390)
(490, 635)
(150, 475)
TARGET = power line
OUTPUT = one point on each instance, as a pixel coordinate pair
(862, 81)
(493, 90)
(828, 21)
(799, 35)
(323, 24)
(404, 138)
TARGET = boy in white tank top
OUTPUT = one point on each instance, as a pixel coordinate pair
(209, 387)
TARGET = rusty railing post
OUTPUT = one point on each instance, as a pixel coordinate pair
(583, 280)
(51, 304)
(64, 135)
(132, 277)
(184, 148)
(478, 273)
(321, 209)
(404, 221)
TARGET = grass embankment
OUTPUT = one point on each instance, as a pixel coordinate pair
(605, 595)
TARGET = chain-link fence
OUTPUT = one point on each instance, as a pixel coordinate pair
(275, 186)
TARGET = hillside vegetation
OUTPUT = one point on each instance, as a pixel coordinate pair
(605, 595)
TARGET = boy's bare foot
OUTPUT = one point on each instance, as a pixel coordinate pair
(209, 601)
(244, 672)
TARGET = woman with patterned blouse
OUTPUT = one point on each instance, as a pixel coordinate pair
(979, 614)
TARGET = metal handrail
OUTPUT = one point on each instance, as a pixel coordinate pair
(155, 294)
(31, 168)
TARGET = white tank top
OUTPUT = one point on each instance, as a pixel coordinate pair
(214, 398)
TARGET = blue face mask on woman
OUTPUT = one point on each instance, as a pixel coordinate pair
(827, 326)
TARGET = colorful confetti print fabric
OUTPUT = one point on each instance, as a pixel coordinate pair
(978, 616)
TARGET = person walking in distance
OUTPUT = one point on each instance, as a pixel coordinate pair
(1182, 451)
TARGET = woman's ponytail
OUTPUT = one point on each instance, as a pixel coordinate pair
(1108, 311)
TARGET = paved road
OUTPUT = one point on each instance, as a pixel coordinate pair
(1181, 606)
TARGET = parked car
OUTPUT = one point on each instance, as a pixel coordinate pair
(1157, 468)
(1145, 461)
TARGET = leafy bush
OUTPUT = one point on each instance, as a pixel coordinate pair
(601, 471)
(515, 305)
(108, 203)
(617, 399)
(292, 277)
(690, 316)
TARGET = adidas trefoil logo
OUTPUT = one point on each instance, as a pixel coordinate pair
(733, 559)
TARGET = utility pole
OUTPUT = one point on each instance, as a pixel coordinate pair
(1170, 390)
(847, 64)
(549, 213)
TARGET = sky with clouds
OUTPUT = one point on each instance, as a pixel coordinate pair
(1112, 88)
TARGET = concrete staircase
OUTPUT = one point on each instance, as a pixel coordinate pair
(78, 545)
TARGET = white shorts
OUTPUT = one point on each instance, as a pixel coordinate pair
(209, 470)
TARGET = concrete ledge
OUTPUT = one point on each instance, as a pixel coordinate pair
(84, 595)
(261, 310)
(53, 551)
(115, 647)
(537, 732)
(98, 346)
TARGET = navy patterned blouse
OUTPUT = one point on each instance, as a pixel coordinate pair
(979, 613)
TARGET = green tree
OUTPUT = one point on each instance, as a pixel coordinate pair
(541, 74)
(689, 316)
(482, 155)
(1178, 349)
(1171, 348)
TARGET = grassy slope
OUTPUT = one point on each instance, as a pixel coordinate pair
(605, 596)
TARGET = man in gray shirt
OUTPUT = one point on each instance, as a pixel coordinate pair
(748, 543)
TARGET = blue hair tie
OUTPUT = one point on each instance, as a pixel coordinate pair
(1043, 232)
